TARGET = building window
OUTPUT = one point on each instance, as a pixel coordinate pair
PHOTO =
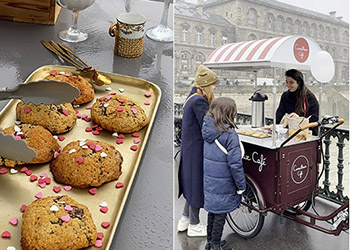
(335, 35)
(212, 39)
(252, 37)
(252, 17)
(328, 33)
(297, 25)
(345, 54)
(305, 30)
(270, 21)
(313, 31)
(345, 37)
(184, 62)
(289, 24)
(184, 35)
(224, 40)
(199, 60)
(279, 23)
(345, 74)
(321, 31)
(199, 37)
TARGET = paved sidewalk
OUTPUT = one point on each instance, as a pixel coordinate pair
(274, 235)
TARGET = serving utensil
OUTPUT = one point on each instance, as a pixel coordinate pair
(66, 54)
(41, 92)
(13, 149)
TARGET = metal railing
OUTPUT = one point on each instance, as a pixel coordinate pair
(338, 136)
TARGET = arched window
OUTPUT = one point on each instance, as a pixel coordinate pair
(345, 74)
(252, 17)
(313, 30)
(252, 37)
(289, 24)
(345, 36)
(297, 25)
(199, 58)
(321, 32)
(306, 28)
(279, 23)
(328, 33)
(212, 36)
(345, 54)
(270, 21)
(185, 62)
(335, 35)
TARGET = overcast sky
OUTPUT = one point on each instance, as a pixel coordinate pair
(323, 6)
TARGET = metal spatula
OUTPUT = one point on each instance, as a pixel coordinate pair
(41, 92)
(13, 149)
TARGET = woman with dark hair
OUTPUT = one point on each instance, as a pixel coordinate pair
(298, 100)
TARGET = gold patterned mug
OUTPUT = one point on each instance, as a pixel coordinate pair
(129, 33)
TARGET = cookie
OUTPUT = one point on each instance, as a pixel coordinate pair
(57, 119)
(87, 92)
(87, 163)
(119, 114)
(37, 138)
(57, 223)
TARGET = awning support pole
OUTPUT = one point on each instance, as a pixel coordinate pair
(274, 90)
(320, 105)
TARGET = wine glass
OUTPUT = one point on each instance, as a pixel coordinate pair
(162, 33)
(73, 34)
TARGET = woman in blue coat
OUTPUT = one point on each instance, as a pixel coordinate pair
(191, 161)
(224, 179)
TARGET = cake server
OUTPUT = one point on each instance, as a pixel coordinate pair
(13, 149)
(41, 92)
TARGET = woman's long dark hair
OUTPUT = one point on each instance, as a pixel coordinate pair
(300, 92)
(223, 110)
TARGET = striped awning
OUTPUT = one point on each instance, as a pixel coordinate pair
(280, 52)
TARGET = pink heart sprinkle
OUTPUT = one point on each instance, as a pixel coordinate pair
(88, 129)
(76, 111)
(23, 170)
(96, 132)
(98, 148)
(121, 136)
(95, 126)
(88, 107)
(44, 175)
(65, 112)
(3, 170)
(93, 191)
(39, 195)
(101, 99)
(61, 138)
(17, 137)
(42, 185)
(98, 128)
(56, 189)
(121, 100)
(47, 180)
(80, 160)
(113, 93)
(133, 147)
(67, 188)
(91, 145)
(137, 141)
(120, 141)
(41, 181)
(14, 221)
(148, 94)
(65, 218)
(147, 103)
(33, 178)
(53, 73)
(119, 185)
(68, 208)
(105, 224)
(79, 115)
(100, 235)
(108, 97)
(98, 243)
(6, 234)
(134, 110)
(83, 116)
(87, 119)
(61, 149)
(23, 208)
(29, 172)
(104, 209)
(66, 74)
(55, 154)
(120, 109)
(27, 110)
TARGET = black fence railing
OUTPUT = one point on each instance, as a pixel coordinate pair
(339, 137)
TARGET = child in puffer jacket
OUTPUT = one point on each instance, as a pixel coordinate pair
(224, 179)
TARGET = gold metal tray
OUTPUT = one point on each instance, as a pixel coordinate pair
(17, 189)
(252, 133)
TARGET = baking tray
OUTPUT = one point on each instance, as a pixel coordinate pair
(17, 189)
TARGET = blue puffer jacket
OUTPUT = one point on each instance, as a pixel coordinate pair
(223, 174)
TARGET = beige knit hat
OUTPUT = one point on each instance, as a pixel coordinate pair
(205, 76)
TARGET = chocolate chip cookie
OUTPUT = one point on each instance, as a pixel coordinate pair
(87, 163)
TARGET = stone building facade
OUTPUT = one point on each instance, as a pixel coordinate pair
(199, 29)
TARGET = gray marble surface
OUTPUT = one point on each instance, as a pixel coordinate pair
(146, 222)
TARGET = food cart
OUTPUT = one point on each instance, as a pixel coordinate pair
(282, 176)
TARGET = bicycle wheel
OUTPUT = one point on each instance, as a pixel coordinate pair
(244, 221)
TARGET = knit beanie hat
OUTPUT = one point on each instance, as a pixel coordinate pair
(205, 76)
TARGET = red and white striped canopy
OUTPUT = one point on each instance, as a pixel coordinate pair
(280, 52)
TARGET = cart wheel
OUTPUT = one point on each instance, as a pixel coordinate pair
(246, 222)
(305, 205)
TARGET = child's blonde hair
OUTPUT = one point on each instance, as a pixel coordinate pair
(224, 111)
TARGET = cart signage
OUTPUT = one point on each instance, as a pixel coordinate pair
(300, 169)
(301, 50)
(258, 159)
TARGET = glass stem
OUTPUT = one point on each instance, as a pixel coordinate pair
(75, 20)
(164, 20)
